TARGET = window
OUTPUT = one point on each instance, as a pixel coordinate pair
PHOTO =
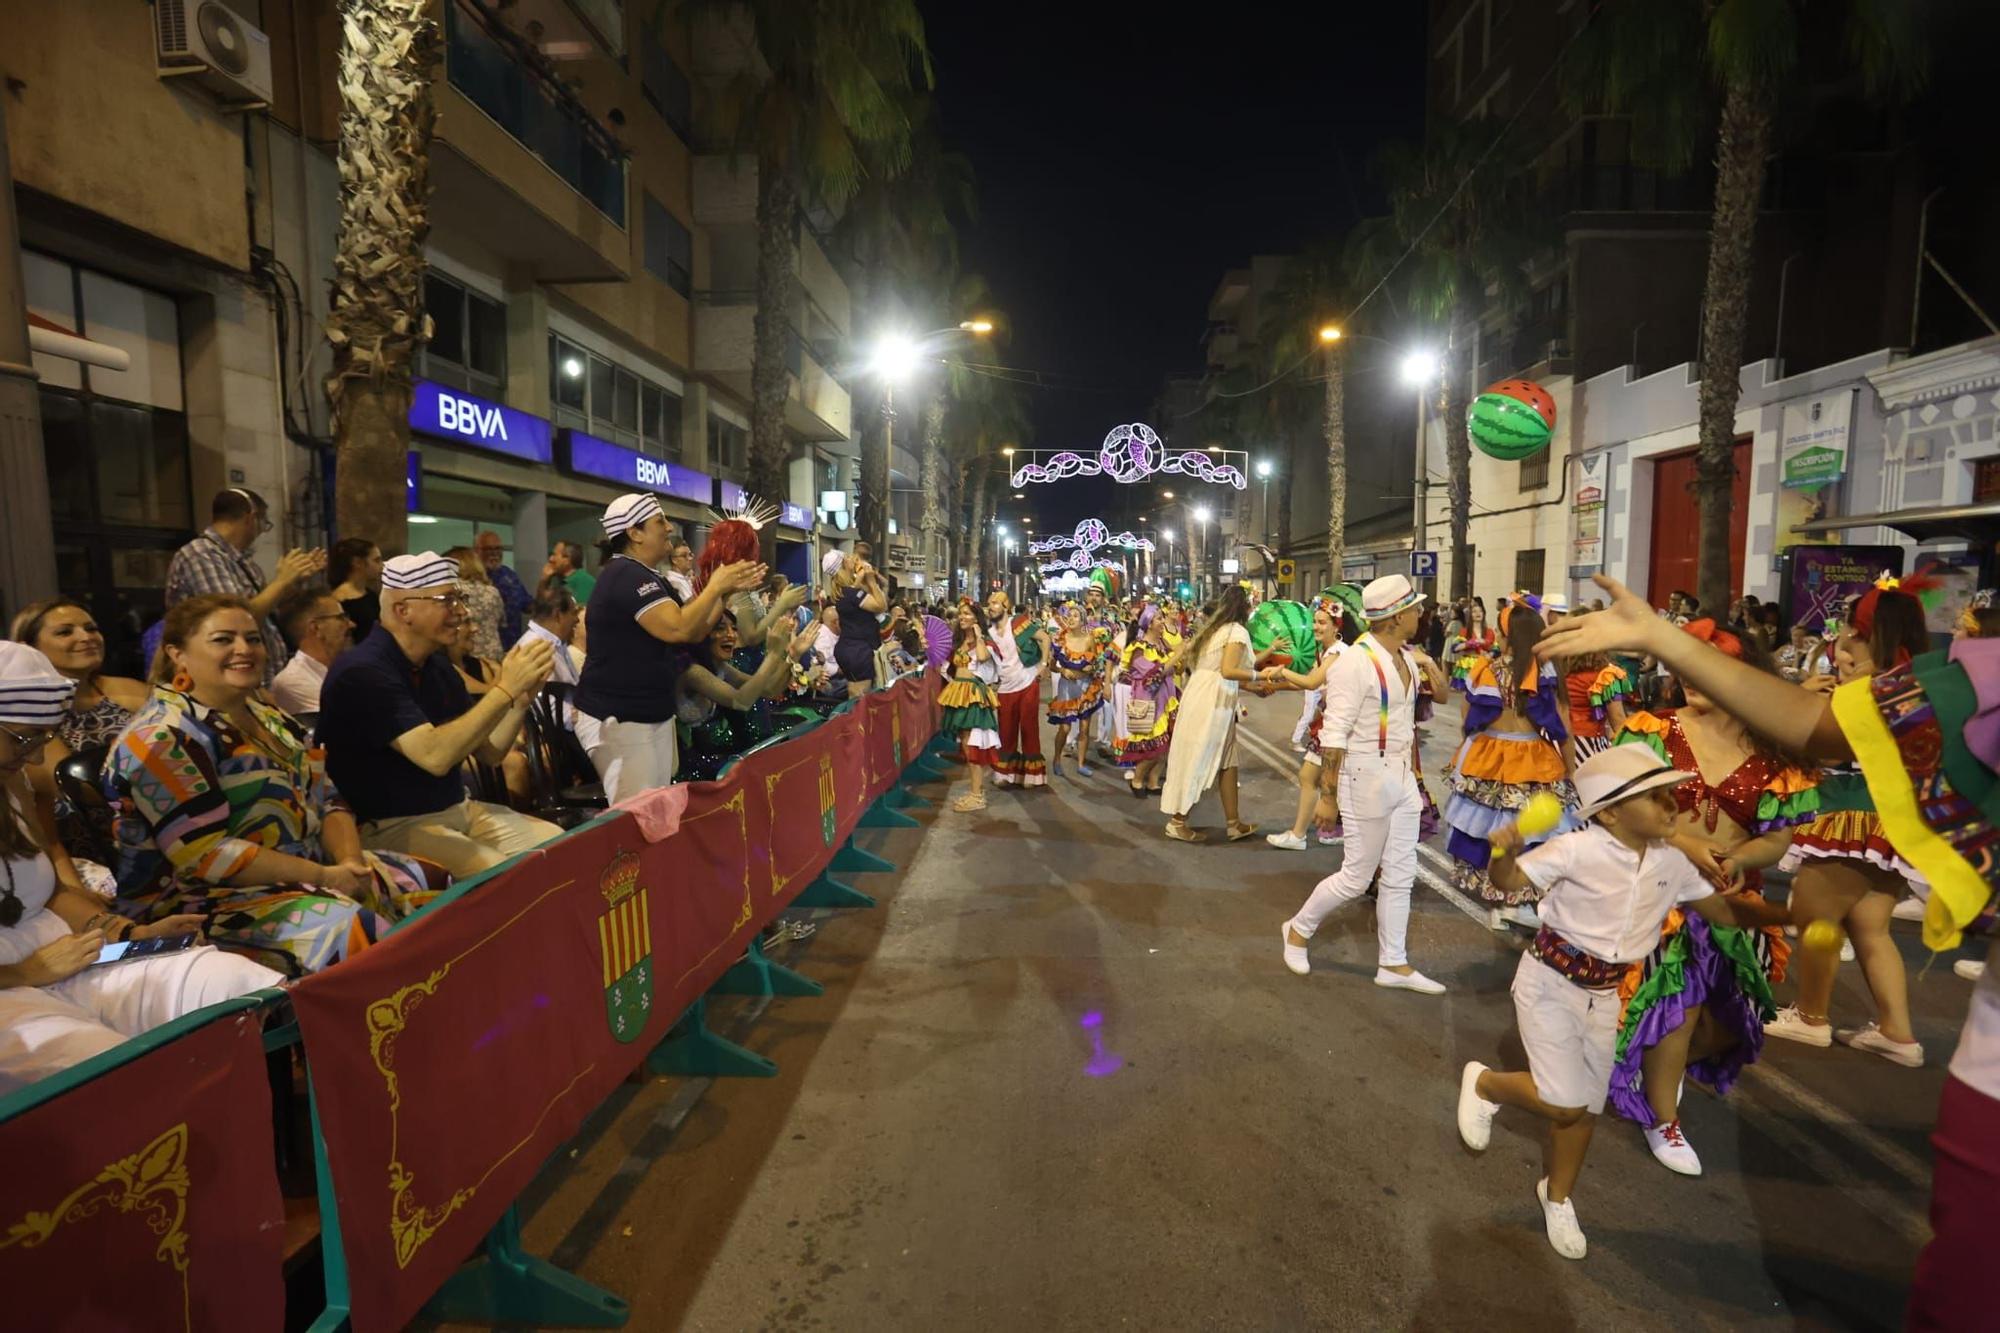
(599, 398)
(1535, 470)
(728, 445)
(1986, 479)
(669, 247)
(468, 346)
(1528, 570)
(663, 82)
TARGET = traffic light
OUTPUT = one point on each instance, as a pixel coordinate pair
(1187, 590)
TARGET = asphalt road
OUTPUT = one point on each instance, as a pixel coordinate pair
(1060, 1079)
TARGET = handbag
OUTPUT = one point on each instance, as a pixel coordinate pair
(1139, 714)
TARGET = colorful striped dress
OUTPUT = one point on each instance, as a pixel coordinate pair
(1147, 678)
(969, 709)
(1498, 771)
(1079, 679)
(196, 800)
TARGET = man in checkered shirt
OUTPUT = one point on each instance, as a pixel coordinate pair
(218, 561)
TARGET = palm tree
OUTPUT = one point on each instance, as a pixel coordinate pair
(1309, 295)
(1457, 209)
(376, 322)
(985, 415)
(1677, 67)
(825, 107)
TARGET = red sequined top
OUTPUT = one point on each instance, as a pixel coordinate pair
(1736, 795)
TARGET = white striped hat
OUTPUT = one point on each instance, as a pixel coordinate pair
(32, 692)
(628, 512)
(425, 569)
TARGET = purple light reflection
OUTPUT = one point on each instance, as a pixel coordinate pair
(1102, 1064)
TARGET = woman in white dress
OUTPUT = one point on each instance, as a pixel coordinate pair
(1203, 753)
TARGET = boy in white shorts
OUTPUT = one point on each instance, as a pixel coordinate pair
(1607, 889)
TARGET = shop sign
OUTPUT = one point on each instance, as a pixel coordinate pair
(413, 483)
(447, 414)
(1812, 446)
(795, 516)
(591, 457)
(730, 497)
(1593, 492)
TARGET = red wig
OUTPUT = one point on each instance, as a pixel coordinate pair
(729, 541)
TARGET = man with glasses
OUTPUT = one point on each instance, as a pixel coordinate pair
(396, 723)
(315, 621)
(218, 561)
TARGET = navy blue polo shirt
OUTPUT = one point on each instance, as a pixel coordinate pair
(628, 674)
(372, 695)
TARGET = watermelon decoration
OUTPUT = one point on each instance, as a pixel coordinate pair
(1347, 596)
(1292, 621)
(1511, 419)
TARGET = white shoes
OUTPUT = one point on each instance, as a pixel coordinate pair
(1846, 950)
(1908, 909)
(1908, 1054)
(1972, 969)
(1792, 1026)
(1475, 1113)
(1565, 1236)
(1287, 840)
(1672, 1148)
(1412, 980)
(1295, 954)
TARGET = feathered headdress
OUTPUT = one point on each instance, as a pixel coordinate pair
(733, 538)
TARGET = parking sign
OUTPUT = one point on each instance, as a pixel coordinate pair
(1423, 564)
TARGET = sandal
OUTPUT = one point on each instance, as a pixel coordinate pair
(968, 803)
(1238, 832)
(1182, 833)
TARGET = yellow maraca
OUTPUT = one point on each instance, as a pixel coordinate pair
(1822, 935)
(1543, 812)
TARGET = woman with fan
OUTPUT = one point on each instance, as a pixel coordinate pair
(970, 708)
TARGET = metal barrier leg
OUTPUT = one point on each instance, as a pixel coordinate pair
(902, 798)
(881, 815)
(333, 1255)
(756, 974)
(826, 891)
(924, 767)
(852, 858)
(506, 1284)
(696, 1050)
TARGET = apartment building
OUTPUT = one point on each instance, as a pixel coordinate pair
(591, 275)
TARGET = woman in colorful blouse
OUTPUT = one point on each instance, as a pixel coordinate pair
(1077, 659)
(223, 810)
(1926, 736)
(1844, 867)
(1474, 644)
(969, 708)
(1516, 747)
(1152, 699)
(1697, 1006)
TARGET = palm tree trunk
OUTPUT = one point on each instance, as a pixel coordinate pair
(770, 378)
(1336, 460)
(977, 534)
(931, 479)
(1742, 142)
(376, 322)
(872, 519)
(1458, 446)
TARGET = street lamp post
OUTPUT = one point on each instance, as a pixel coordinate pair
(1419, 369)
(1203, 582)
(896, 358)
(1264, 471)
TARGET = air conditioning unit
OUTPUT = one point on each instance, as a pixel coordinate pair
(216, 47)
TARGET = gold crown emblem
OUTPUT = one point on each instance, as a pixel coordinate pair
(620, 879)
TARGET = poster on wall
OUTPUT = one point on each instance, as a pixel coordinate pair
(1818, 580)
(1812, 443)
(1593, 490)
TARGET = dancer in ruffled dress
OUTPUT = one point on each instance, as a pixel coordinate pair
(1597, 690)
(1146, 678)
(1697, 1006)
(1516, 747)
(1078, 659)
(1474, 644)
(969, 708)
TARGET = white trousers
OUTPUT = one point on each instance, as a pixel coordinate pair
(46, 1029)
(632, 757)
(1381, 811)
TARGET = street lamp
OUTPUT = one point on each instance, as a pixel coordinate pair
(1329, 333)
(1420, 370)
(1264, 471)
(1200, 514)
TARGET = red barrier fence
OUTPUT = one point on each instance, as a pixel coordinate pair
(143, 1195)
(453, 1058)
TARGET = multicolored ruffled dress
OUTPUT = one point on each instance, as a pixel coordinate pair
(1077, 698)
(971, 709)
(1472, 649)
(196, 800)
(1591, 694)
(1847, 828)
(1149, 681)
(1497, 772)
(1731, 969)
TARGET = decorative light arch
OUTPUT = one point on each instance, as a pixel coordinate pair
(1130, 453)
(1090, 535)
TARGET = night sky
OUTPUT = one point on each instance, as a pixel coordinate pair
(1126, 159)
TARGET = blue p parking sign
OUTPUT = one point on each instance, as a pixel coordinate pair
(1423, 564)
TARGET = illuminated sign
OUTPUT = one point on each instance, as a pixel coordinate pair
(463, 419)
(614, 463)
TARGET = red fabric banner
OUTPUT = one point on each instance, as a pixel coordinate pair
(146, 1198)
(455, 1056)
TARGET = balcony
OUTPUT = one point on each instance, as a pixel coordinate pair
(519, 166)
(725, 205)
(817, 406)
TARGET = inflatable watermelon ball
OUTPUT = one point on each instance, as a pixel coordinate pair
(1511, 419)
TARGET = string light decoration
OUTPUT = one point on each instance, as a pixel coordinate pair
(1080, 561)
(1131, 453)
(1090, 535)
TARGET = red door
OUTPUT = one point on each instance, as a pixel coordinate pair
(1677, 524)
